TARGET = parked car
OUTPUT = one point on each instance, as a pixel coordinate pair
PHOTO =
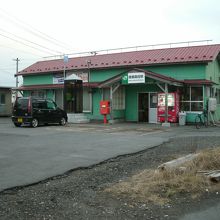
(35, 111)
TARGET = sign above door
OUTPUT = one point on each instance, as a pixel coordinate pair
(133, 78)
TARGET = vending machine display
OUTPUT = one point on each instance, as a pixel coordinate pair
(173, 107)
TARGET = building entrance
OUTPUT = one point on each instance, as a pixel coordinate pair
(143, 107)
(73, 96)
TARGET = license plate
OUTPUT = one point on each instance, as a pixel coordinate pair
(20, 120)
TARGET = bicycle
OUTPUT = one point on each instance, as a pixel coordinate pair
(201, 119)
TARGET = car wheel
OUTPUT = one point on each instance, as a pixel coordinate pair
(34, 123)
(17, 124)
(63, 121)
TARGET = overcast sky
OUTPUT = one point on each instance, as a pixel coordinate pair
(31, 30)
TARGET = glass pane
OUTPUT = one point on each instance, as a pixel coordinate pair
(22, 104)
(153, 100)
(196, 94)
(185, 106)
(51, 105)
(106, 94)
(2, 99)
(185, 93)
(170, 99)
(196, 106)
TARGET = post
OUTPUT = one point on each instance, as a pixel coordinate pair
(166, 103)
(166, 123)
(65, 60)
(17, 60)
(111, 107)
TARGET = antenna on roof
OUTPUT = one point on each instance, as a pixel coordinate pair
(93, 53)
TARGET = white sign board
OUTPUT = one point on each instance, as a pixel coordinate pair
(83, 75)
(136, 77)
(58, 79)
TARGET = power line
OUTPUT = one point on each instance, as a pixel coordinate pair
(21, 51)
(34, 31)
(5, 71)
(29, 41)
(24, 43)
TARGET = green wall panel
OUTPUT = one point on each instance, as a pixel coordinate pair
(180, 72)
(213, 71)
(119, 114)
(101, 75)
(95, 106)
(38, 80)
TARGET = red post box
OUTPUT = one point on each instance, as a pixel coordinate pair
(105, 109)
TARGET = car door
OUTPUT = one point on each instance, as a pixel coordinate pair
(39, 110)
(53, 113)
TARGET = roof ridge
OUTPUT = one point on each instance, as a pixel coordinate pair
(126, 52)
(198, 53)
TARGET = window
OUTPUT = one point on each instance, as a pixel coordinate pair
(2, 99)
(106, 94)
(21, 103)
(39, 104)
(39, 93)
(192, 99)
(153, 100)
(218, 96)
(51, 105)
(119, 99)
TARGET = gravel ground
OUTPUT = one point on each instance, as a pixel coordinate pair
(78, 194)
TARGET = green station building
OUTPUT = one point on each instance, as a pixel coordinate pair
(131, 81)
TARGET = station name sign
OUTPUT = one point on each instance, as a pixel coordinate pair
(134, 77)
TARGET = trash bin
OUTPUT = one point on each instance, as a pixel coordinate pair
(182, 118)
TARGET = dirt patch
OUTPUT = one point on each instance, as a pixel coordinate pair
(160, 186)
(80, 194)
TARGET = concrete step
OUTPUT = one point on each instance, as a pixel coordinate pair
(77, 118)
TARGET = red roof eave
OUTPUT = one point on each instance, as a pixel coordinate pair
(199, 82)
(51, 86)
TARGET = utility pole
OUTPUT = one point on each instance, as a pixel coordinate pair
(16, 75)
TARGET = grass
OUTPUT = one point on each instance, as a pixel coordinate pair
(161, 186)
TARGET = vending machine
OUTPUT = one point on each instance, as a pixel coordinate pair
(173, 107)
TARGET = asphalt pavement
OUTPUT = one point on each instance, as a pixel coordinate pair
(29, 155)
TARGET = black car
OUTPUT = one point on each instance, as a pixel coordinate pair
(35, 111)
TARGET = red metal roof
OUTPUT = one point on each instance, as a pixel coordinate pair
(193, 54)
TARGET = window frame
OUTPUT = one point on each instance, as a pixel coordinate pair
(2, 95)
(190, 101)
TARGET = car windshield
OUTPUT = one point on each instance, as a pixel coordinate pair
(21, 103)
